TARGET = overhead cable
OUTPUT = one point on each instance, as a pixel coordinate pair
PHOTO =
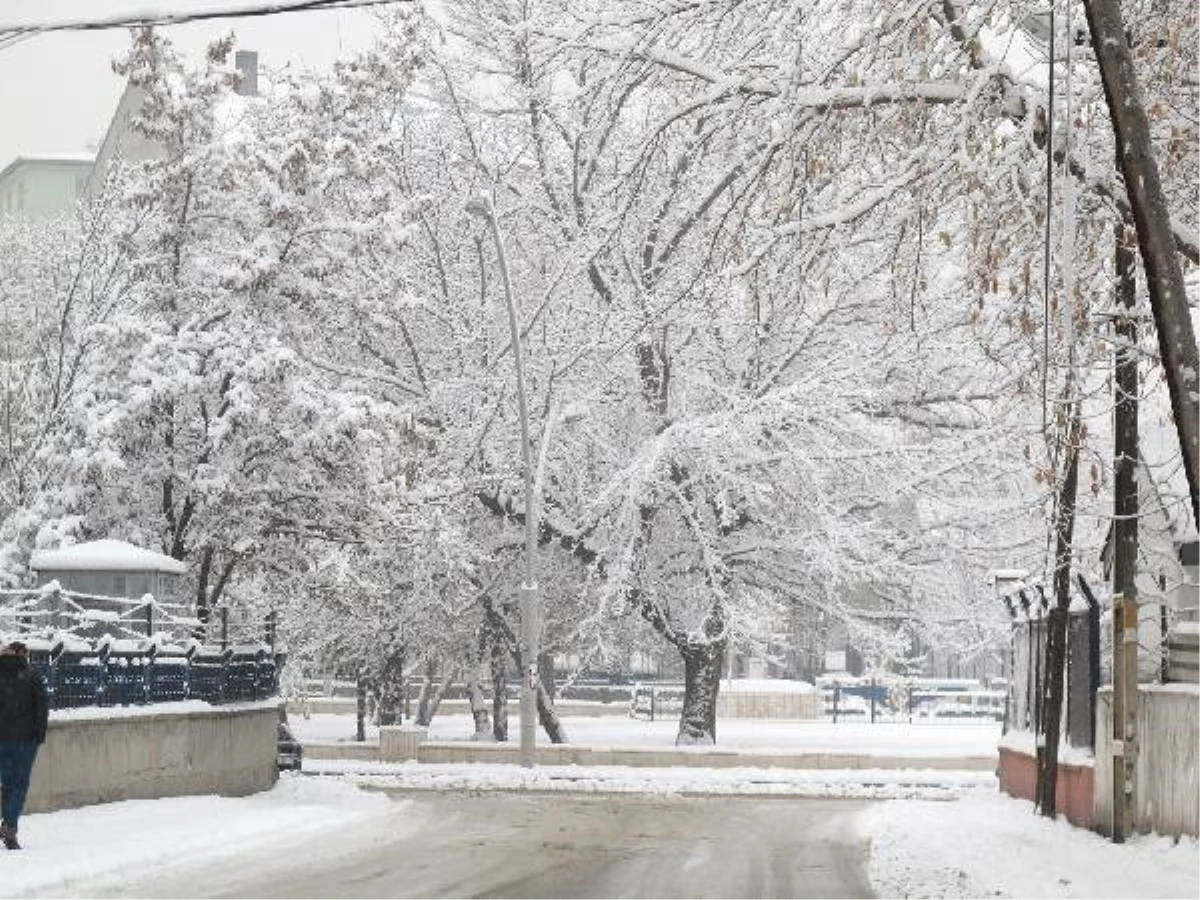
(10, 34)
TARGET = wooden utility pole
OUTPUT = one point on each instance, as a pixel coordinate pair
(1125, 541)
(1164, 277)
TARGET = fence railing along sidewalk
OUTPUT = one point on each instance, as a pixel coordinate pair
(95, 650)
(124, 673)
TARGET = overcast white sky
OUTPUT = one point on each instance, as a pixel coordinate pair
(58, 90)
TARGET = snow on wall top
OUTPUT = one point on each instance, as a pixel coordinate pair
(106, 556)
(766, 686)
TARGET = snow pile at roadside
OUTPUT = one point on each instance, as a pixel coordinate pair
(989, 845)
(875, 784)
(72, 852)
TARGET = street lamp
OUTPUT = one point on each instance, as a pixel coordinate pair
(482, 206)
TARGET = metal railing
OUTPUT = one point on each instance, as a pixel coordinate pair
(78, 674)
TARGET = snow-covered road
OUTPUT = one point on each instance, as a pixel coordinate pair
(521, 845)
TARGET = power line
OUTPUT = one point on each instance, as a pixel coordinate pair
(11, 34)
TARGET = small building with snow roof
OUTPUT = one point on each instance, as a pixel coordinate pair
(110, 568)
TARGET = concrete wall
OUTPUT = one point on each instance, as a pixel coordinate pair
(42, 188)
(138, 753)
(1167, 789)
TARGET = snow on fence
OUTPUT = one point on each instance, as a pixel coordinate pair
(112, 672)
(736, 699)
(101, 650)
(1081, 677)
(52, 613)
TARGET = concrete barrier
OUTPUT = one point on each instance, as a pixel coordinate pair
(360, 750)
(1073, 789)
(400, 742)
(100, 756)
(655, 757)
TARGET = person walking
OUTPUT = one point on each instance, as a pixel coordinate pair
(24, 712)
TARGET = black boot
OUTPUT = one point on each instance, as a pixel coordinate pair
(8, 834)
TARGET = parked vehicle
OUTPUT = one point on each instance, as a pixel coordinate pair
(289, 754)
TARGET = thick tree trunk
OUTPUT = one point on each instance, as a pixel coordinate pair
(703, 663)
(1164, 277)
(702, 666)
(1056, 639)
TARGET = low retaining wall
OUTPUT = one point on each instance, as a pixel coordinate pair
(131, 753)
(567, 754)
(408, 743)
(1167, 789)
(1074, 787)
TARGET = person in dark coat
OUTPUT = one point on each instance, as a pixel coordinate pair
(24, 712)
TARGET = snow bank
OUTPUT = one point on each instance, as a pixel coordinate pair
(742, 781)
(990, 845)
(766, 686)
(79, 852)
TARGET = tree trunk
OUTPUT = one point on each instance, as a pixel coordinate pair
(548, 716)
(479, 711)
(1164, 277)
(546, 674)
(431, 698)
(499, 656)
(701, 680)
(360, 709)
(703, 663)
(1056, 638)
(391, 686)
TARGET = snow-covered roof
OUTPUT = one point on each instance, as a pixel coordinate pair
(36, 158)
(104, 556)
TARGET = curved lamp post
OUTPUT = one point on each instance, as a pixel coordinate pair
(482, 206)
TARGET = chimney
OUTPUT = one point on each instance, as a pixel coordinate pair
(246, 62)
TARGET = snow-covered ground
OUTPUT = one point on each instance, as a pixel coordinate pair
(967, 841)
(981, 845)
(987, 844)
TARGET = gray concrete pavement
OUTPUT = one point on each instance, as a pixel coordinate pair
(560, 845)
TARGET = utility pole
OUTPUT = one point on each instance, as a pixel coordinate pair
(1125, 542)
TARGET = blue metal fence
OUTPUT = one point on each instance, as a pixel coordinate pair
(101, 676)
